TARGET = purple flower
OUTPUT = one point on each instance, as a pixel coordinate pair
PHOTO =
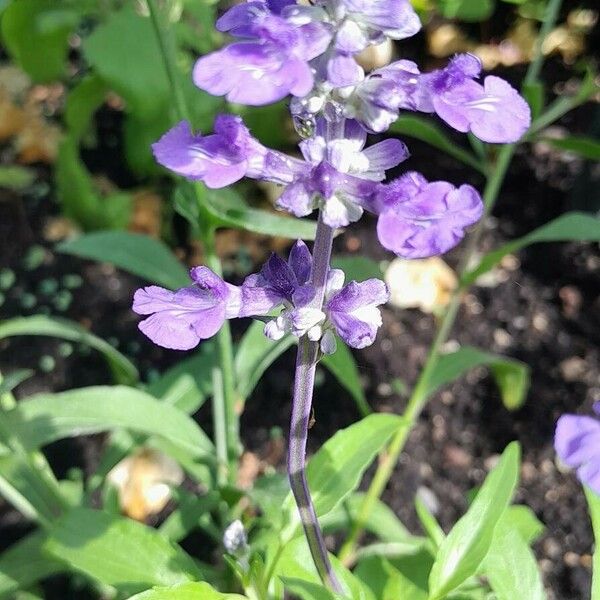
(418, 218)
(224, 157)
(180, 319)
(353, 309)
(577, 443)
(494, 112)
(271, 60)
(340, 173)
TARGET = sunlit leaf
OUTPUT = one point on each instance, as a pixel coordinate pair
(119, 552)
(465, 547)
(593, 501)
(186, 591)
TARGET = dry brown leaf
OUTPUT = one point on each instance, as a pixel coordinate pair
(426, 284)
(143, 481)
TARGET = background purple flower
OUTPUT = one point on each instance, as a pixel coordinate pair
(577, 444)
(418, 219)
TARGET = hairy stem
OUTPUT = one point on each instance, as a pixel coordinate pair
(225, 416)
(306, 364)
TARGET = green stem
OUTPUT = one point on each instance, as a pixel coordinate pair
(420, 395)
(224, 400)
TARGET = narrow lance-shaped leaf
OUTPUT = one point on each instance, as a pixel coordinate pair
(123, 369)
(132, 252)
(465, 547)
(573, 226)
(511, 375)
(186, 591)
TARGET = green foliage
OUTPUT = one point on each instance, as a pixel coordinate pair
(45, 418)
(119, 552)
(28, 26)
(573, 226)
(357, 268)
(123, 369)
(593, 501)
(255, 354)
(24, 564)
(343, 366)
(467, 10)
(132, 252)
(422, 128)
(16, 178)
(512, 376)
(186, 591)
(583, 146)
(465, 547)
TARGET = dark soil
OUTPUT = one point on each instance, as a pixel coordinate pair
(543, 309)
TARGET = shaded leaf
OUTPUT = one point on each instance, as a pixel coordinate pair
(24, 564)
(123, 369)
(593, 501)
(467, 10)
(36, 33)
(425, 130)
(465, 547)
(357, 268)
(9, 382)
(343, 366)
(571, 227)
(585, 147)
(512, 376)
(254, 355)
(135, 253)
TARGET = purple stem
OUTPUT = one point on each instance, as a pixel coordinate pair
(306, 363)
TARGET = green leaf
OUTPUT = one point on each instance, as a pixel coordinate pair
(135, 253)
(390, 583)
(36, 34)
(296, 564)
(255, 354)
(9, 382)
(24, 564)
(357, 268)
(190, 512)
(534, 94)
(337, 468)
(382, 522)
(571, 227)
(307, 590)
(429, 523)
(82, 102)
(510, 565)
(583, 146)
(186, 591)
(343, 366)
(15, 177)
(426, 131)
(187, 384)
(80, 198)
(512, 376)
(119, 552)
(465, 547)
(593, 501)
(124, 51)
(123, 369)
(467, 10)
(523, 520)
(231, 211)
(45, 418)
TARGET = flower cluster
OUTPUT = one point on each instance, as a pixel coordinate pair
(577, 443)
(181, 319)
(281, 48)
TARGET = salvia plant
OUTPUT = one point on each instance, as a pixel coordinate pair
(307, 55)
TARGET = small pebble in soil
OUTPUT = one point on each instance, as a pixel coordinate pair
(62, 300)
(72, 281)
(48, 287)
(47, 363)
(28, 301)
(65, 349)
(7, 279)
(34, 258)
